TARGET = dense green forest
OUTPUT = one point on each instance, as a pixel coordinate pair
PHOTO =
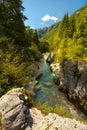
(19, 46)
(68, 38)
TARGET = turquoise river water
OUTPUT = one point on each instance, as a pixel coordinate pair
(49, 93)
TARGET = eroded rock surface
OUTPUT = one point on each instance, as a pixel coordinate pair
(17, 116)
(15, 113)
(35, 73)
(50, 58)
(72, 79)
(35, 70)
(53, 122)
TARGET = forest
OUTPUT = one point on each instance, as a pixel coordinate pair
(20, 45)
(68, 38)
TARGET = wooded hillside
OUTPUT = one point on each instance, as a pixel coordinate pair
(68, 38)
(18, 46)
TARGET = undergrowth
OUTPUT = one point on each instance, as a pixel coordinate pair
(58, 109)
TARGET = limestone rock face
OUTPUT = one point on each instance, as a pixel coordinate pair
(14, 110)
(55, 67)
(17, 116)
(50, 58)
(35, 70)
(53, 122)
(73, 81)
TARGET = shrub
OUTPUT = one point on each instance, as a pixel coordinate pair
(58, 109)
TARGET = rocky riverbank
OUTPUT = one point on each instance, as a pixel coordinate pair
(35, 72)
(16, 115)
(74, 82)
(71, 77)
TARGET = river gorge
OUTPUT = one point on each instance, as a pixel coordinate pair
(49, 93)
(17, 114)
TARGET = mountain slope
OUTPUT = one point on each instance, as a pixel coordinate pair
(46, 30)
(49, 35)
(68, 39)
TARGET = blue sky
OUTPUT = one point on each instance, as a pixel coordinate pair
(41, 13)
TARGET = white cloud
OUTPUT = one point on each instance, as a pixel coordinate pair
(47, 17)
(54, 18)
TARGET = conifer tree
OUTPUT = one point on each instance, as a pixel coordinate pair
(12, 20)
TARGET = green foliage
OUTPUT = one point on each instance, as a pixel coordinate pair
(69, 38)
(34, 51)
(14, 64)
(51, 36)
(82, 120)
(33, 43)
(45, 109)
(58, 109)
(12, 68)
(62, 111)
(18, 46)
(35, 38)
(72, 27)
(12, 20)
(29, 35)
(44, 47)
(63, 28)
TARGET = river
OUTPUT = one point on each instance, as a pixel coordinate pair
(49, 93)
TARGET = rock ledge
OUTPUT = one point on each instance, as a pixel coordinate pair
(17, 116)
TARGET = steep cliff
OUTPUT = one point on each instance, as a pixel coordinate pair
(72, 80)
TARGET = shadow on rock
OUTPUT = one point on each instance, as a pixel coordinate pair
(30, 120)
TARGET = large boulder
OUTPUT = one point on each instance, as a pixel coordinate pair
(35, 73)
(54, 122)
(50, 58)
(15, 113)
(17, 116)
(55, 67)
(35, 70)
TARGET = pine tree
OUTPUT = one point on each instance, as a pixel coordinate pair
(35, 38)
(72, 26)
(64, 26)
(12, 20)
